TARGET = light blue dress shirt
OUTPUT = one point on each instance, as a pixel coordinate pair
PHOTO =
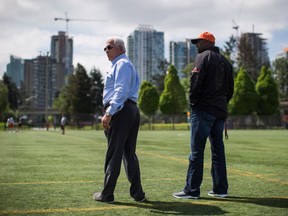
(121, 83)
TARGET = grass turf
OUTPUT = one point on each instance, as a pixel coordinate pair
(46, 173)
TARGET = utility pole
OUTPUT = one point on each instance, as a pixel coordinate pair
(47, 90)
(236, 27)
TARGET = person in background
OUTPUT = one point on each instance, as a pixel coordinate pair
(7, 124)
(121, 123)
(62, 124)
(11, 124)
(211, 88)
(20, 123)
(55, 122)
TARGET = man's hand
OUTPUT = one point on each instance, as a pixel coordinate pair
(106, 121)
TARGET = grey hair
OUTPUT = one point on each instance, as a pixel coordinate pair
(118, 42)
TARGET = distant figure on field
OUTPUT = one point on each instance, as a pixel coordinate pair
(55, 122)
(10, 124)
(20, 123)
(62, 124)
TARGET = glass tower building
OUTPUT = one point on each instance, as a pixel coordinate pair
(181, 54)
(145, 48)
(15, 70)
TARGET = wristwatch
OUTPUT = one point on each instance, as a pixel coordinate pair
(107, 114)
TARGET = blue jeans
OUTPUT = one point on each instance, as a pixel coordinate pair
(204, 125)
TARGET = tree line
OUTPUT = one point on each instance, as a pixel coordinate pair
(166, 92)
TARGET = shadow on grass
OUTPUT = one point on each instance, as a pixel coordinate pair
(176, 208)
(277, 202)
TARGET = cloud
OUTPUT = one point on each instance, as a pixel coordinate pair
(27, 25)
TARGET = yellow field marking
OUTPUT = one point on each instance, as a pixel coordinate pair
(88, 140)
(35, 211)
(89, 181)
(46, 182)
(185, 161)
(115, 207)
(232, 170)
(164, 157)
(81, 181)
(259, 176)
(63, 210)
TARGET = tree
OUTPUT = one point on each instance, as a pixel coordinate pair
(230, 50)
(83, 101)
(281, 76)
(75, 98)
(173, 99)
(4, 104)
(244, 100)
(13, 93)
(230, 47)
(23, 96)
(67, 97)
(267, 90)
(148, 100)
(63, 102)
(97, 87)
(186, 80)
(157, 80)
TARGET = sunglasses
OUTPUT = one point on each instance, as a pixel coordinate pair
(108, 48)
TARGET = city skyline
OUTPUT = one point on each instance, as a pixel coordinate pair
(27, 25)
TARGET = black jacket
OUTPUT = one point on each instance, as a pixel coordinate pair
(211, 83)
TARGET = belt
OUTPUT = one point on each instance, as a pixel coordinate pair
(130, 101)
(127, 101)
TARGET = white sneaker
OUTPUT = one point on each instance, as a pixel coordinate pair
(183, 195)
(211, 193)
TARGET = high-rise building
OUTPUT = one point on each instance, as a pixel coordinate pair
(45, 76)
(40, 81)
(15, 70)
(29, 80)
(181, 54)
(62, 51)
(257, 56)
(145, 48)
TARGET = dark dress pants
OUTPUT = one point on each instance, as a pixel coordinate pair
(122, 138)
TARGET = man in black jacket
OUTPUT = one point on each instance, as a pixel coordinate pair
(211, 88)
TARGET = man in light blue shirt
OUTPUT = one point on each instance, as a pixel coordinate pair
(120, 86)
(121, 123)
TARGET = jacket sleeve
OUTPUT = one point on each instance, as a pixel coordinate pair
(196, 80)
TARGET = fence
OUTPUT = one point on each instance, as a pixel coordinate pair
(256, 122)
(233, 122)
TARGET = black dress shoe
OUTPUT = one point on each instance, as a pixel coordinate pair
(142, 200)
(97, 196)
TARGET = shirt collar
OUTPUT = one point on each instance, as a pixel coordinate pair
(118, 57)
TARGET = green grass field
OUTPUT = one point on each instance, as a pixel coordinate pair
(46, 173)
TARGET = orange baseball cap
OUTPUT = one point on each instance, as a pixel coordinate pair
(204, 36)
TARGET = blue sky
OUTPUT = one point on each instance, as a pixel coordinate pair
(27, 25)
(279, 41)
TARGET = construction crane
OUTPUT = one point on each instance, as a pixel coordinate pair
(235, 26)
(67, 20)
